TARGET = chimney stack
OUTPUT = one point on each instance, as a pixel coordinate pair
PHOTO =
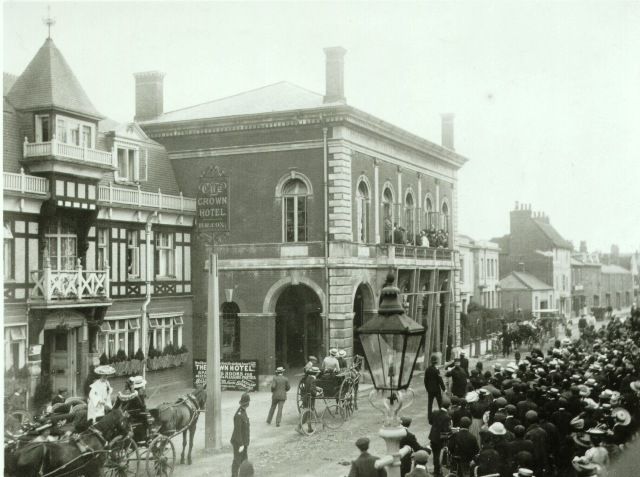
(521, 267)
(149, 95)
(447, 130)
(334, 71)
(583, 246)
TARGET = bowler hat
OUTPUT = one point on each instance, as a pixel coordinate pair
(245, 398)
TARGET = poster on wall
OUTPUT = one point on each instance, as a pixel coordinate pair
(238, 375)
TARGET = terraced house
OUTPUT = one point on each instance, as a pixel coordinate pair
(325, 200)
(97, 235)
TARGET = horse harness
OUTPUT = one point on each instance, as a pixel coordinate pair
(194, 410)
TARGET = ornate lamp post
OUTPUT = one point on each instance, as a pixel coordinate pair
(392, 342)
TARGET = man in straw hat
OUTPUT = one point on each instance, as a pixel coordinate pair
(330, 363)
(279, 387)
(241, 435)
(100, 393)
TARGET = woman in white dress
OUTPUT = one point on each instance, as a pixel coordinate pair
(100, 394)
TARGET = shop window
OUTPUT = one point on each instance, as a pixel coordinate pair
(294, 199)
(15, 342)
(165, 330)
(121, 333)
(8, 252)
(362, 212)
(165, 254)
(133, 254)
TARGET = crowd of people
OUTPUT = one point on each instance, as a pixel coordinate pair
(568, 412)
(429, 237)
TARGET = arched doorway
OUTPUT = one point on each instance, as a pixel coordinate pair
(298, 326)
(362, 310)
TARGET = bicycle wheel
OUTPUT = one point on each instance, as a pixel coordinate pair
(445, 460)
(333, 416)
(309, 422)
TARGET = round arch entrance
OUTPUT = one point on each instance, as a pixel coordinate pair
(363, 305)
(298, 326)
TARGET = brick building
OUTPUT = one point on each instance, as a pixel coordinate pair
(534, 246)
(525, 295)
(316, 187)
(97, 236)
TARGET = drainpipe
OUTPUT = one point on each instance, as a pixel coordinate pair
(326, 235)
(144, 323)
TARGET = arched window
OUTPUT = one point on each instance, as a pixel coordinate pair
(362, 212)
(408, 217)
(387, 214)
(294, 210)
(445, 217)
(428, 214)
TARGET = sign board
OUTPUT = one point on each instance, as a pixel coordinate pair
(239, 375)
(212, 202)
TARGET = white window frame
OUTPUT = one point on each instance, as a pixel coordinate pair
(102, 246)
(128, 149)
(8, 252)
(409, 216)
(15, 334)
(59, 236)
(363, 212)
(133, 247)
(70, 124)
(296, 199)
(163, 326)
(167, 254)
(39, 129)
(119, 327)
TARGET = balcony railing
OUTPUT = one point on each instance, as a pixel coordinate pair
(78, 284)
(417, 253)
(25, 183)
(139, 198)
(69, 151)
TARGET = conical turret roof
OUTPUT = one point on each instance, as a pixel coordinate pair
(49, 82)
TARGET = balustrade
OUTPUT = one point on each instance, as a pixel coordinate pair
(77, 284)
(71, 151)
(25, 183)
(140, 198)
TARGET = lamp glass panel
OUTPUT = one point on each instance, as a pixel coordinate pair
(412, 350)
(384, 355)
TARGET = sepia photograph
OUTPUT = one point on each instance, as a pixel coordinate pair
(321, 238)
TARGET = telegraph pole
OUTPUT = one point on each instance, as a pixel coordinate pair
(212, 215)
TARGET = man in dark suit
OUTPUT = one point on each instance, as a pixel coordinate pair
(241, 435)
(464, 446)
(420, 458)
(408, 440)
(61, 397)
(364, 465)
(279, 387)
(540, 438)
(441, 425)
(464, 362)
(434, 385)
(458, 379)
(518, 446)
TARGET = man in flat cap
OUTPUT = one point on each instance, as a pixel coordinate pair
(241, 435)
(364, 465)
(420, 459)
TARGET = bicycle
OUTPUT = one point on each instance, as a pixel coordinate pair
(449, 461)
(332, 417)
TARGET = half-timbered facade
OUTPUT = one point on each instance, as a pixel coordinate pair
(97, 235)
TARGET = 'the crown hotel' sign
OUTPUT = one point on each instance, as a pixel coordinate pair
(212, 205)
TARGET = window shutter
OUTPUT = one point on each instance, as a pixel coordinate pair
(136, 166)
(143, 165)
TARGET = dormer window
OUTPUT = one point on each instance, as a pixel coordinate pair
(128, 164)
(68, 130)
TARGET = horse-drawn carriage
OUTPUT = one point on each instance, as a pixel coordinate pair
(118, 444)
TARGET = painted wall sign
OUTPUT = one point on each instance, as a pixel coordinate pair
(212, 201)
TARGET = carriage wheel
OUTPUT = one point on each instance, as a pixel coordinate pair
(123, 459)
(299, 397)
(161, 457)
(309, 422)
(21, 416)
(333, 416)
(345, 396)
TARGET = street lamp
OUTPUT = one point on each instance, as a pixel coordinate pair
(392, 342)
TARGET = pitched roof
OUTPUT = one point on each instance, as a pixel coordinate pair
(282, 96)
(523, 281)
(49, 82)
(552, 234)
(7, 82)
(614, 269)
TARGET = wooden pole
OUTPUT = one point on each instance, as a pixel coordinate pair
(213, 418)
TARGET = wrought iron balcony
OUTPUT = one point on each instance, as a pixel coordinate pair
(69, 287)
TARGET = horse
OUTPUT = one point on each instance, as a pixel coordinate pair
(181, 416)
(82, 456)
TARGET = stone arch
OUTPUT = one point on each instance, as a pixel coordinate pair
(364, 306)
(291, 175)
(272, 295)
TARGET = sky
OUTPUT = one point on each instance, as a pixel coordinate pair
(546, 93)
